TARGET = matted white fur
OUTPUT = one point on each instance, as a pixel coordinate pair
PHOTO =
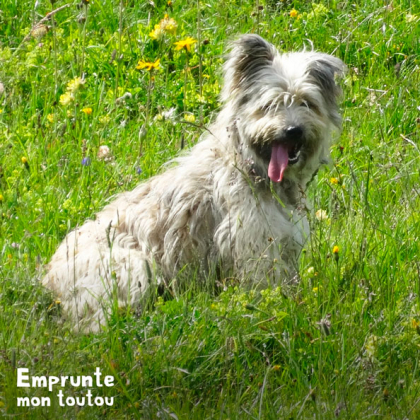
(217, 209)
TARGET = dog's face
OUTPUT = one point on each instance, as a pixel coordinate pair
(284, 105)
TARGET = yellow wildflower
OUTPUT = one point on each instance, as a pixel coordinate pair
(293, 13)
(50, 118)
(157, 33)
(166, 26)
(1, 111)
(66, 99)
(105, 119)
(149, 66)
(414, 323)
(1, 198)
(315, 289)
(189, 118)
(87, 111)
(336, 249)
(334, 181)
(75, 84)
(276, 367)
(24, 160)
(185, 43)
(318, 10)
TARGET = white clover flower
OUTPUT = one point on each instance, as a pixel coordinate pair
(103, 152)
(321, 215)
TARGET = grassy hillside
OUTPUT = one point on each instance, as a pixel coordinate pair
(109, 73)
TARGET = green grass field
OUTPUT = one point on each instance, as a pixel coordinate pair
(346, 345)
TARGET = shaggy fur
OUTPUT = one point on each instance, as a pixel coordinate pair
(235, 203)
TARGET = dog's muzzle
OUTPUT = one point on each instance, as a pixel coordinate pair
(285, 151)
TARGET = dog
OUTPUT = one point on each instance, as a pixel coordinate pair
(235, 203)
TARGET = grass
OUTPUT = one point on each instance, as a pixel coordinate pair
(345, 346)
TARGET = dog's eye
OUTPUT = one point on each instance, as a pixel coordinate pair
(309, 105)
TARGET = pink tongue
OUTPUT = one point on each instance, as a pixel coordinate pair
(278, 162)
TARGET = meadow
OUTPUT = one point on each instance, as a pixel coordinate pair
(96, 96)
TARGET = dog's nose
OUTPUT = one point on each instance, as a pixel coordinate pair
(293, 133)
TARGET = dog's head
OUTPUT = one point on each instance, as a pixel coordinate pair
(284, 106)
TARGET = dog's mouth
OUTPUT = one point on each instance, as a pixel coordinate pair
(282, 155)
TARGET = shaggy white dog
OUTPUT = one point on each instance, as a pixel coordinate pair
(234, 204)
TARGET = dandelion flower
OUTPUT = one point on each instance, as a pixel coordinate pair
(1, 198)
(50, 118)
(185, 43)
(293, 13)
(66, 99)
(24, 160)
(149, 66)
(189, 118)
(334, 181)
(87, 111)
(336, 249)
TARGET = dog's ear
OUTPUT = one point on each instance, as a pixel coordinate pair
(248, 57)
(324, 70)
